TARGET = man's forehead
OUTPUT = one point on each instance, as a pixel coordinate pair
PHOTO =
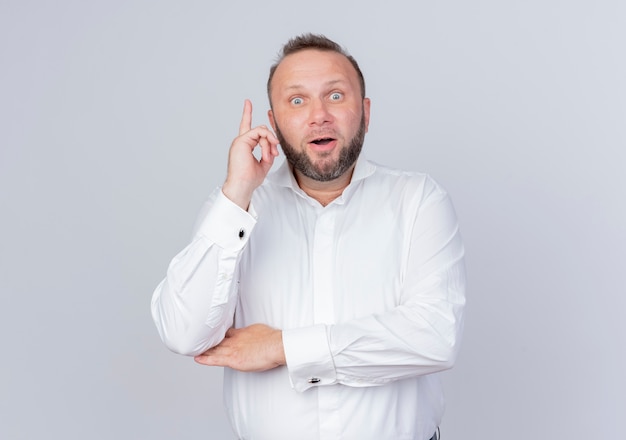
(317, 55)
(331, 67)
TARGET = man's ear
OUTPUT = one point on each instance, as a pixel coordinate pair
(270, 116)
(366, 112)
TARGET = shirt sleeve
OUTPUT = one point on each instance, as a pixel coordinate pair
(193, 306)
(419, 336)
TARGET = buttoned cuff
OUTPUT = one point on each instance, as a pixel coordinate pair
(309, 360)
(227, 225)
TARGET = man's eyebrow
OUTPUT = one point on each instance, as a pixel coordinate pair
(335, 81)
(329, 83)
(294, 87)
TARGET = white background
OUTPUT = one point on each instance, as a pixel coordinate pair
(116, 118)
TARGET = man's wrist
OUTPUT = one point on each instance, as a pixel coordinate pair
(238, 195)
(280, 349)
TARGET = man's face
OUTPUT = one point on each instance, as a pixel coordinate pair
(318, 114)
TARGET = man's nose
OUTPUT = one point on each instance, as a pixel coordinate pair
(320, 113)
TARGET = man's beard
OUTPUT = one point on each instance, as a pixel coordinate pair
(324, 171)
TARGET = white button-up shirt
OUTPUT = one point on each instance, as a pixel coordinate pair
(369, 293)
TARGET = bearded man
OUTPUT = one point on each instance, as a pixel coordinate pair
(332, 289)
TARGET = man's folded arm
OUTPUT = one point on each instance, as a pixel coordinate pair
(419, 336)
(193, 306)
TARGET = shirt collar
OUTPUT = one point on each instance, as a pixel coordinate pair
(284, 177)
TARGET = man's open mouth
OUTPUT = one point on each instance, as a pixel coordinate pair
(322, 141)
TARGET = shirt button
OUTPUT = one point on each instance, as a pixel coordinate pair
(315, 380)
(242, 233)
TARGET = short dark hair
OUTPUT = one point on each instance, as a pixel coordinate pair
(315, 42)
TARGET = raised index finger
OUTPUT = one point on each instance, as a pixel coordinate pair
(246, 118)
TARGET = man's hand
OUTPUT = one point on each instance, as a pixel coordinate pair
(254, 348)
(246, 172)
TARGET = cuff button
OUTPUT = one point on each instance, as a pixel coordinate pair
(315, 380)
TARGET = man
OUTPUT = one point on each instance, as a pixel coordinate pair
(332, 290)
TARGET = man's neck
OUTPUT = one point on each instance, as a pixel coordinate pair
(324, 192)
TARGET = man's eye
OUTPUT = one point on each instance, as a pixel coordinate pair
(297, 101)
(336, 96)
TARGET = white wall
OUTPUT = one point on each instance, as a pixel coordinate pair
(116, 117)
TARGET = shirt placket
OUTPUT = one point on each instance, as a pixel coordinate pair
(324, 310)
